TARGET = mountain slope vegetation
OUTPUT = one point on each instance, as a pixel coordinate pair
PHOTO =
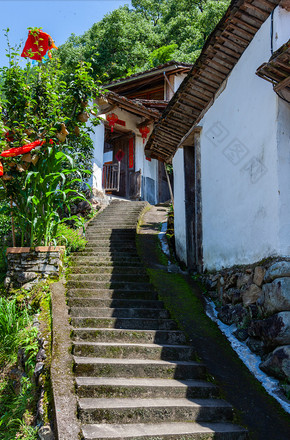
(152, 32)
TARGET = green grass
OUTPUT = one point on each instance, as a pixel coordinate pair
(70, 238)
(18, 391)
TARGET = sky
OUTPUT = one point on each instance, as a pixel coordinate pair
(59, 18)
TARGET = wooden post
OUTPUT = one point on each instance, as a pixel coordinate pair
(12, 223)
(169, 185)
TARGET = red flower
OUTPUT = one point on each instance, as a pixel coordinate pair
(21, 150)
(1, 169)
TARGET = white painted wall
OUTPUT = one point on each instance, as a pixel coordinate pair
(98, 141)
(178, 80)
(179, 206)
(245, 176)
(283, 147)
(281, 28)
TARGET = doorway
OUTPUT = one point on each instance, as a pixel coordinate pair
(193, 205)
(122, 147)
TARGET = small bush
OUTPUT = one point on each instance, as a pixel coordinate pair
(12, 320)
(70, 238)
(5, 221)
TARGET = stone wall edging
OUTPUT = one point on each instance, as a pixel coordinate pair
(62, 379)
(27, 266)
(257, 299)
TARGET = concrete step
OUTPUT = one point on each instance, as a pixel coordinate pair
(98, 387)
(129, 242)
(111, 247)
(103, 228)
(109, 277)
(134, 351)
(125, 323)
(116, 225)
(119, 312)
(135, 376)
(114, 255)
(119, 270)
(118, 236)
(112, 294)
(108, 262)
(112, 367)
(111, 241)
(170, 337)
(92, 410)
(115, 303)
(166, 431)
(129, 285)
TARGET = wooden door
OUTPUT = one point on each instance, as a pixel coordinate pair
(126, 145)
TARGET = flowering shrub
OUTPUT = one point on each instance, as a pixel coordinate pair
(45, 147)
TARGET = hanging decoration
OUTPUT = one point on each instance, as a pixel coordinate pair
(21, 150)
(131, 153)
(112, 118)
(62, 134)
(37, 45)
(144, 132)
(119, 155)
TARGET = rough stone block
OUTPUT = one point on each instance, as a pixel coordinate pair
(277, 363)
(275, 296)
(251, 295)
(25, 277)
(278, 270)
(274, 331)
(256, 346)
(48, 268)
(244, 280)
(259, 275)
(45, 433)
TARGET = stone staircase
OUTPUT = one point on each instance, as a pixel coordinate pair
(136, 377)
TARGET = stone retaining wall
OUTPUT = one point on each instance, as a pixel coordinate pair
(257, 299)
(27, 266)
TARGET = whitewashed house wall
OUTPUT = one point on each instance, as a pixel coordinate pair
(245, 164)
(149, 169)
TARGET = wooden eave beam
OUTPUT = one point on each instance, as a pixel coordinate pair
(228, 51)
(243, 14)
(197, 97)
(253, 29)
(282, 84)
(237, 37)
(255, 8)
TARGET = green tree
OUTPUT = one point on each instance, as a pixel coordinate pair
(131, 40)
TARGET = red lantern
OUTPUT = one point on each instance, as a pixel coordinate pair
(37, 44)
(144, 131)
(112, 118)
(21, 150)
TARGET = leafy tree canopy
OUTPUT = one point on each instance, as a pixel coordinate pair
(128, 40)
